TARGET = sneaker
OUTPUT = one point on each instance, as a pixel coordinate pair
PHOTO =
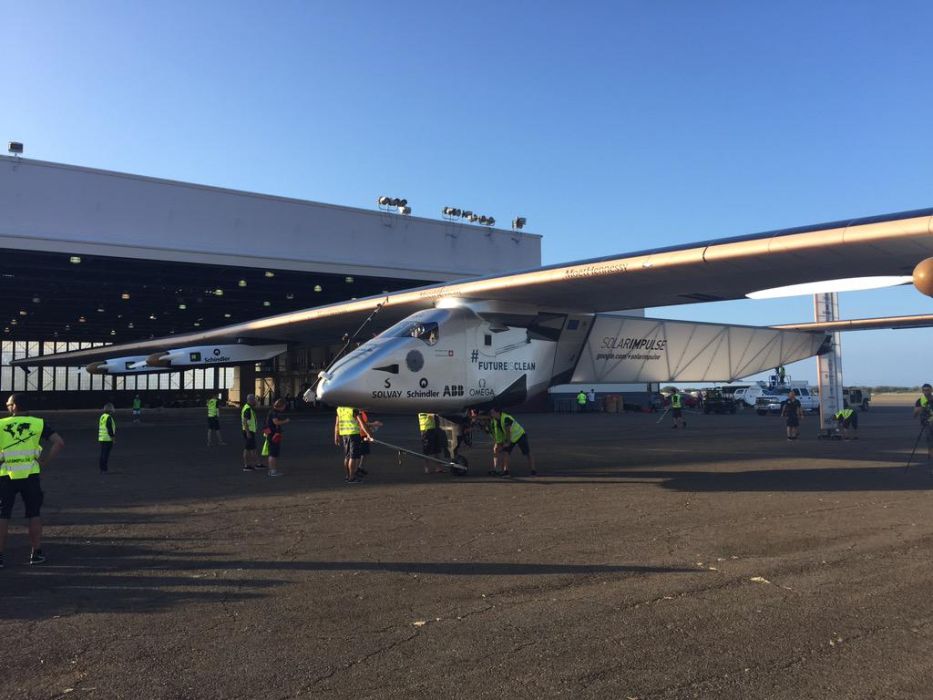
(36, 557)
(248, 469)
(260, 466)
(491, 472)
(506, 475)
(275, 472)
(354, 480)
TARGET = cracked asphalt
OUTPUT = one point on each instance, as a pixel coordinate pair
(643, 562)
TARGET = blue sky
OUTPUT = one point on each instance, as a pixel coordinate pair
(612, 126)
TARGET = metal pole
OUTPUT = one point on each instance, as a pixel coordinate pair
(829, 365)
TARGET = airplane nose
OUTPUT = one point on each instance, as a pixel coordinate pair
(338, 390)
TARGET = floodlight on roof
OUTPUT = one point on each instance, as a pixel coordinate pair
(15, 148)
(383, 201)
(75, 259)
(318, 288)
(519, 222)
(241, 283)
(404, 210)
(269, 273)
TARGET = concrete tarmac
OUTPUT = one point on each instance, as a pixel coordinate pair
(720, 561)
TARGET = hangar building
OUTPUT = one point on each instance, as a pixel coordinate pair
(90, 257)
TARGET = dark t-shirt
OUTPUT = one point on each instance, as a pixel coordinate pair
(270, 422)
(791, 406)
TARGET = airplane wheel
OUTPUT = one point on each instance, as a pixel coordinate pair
(463, 466)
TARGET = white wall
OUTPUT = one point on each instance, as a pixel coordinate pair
(49, 206)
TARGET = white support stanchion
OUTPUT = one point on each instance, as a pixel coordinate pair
(829, 365)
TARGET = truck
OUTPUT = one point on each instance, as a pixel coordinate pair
(856, 398)
(716, 401)
(774, 399)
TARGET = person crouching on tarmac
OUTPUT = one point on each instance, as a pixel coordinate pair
(349, 433)
(792, 412)
(430, 441)
(923, 409)
(273, 432)
(845, 419)
(506, 434)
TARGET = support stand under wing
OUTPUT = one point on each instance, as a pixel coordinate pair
(829, 364)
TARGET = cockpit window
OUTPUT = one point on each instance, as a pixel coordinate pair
(427, 331)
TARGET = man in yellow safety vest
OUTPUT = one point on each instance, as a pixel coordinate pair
(923, 409)
(106, 432)
(847, 419)
(248, 426)
(430, 441)
(349, 433)
(677, 406)
(21, 438)
(506, 434)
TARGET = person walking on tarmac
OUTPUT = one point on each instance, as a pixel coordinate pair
(137, 408)
(349, 433)
(923, 409)
(847, 419)
(248, 427)
(430, 441)
(21, 437)
(213, 422)
(271, 448)
(106, 432)
(506, 434)
(677, 409)
(371, 426)
(793, 413)
(581, 401)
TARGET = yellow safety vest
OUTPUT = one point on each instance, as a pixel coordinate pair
(581, 398)
(498, 429)
(137, 404)
(676, 401)
(844, 413)
(102, 434)
(251, 421)
(346, 421)
(20, 438)
(426, 421)
(212, 411)
(924, 403)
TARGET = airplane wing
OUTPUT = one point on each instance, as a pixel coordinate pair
(715, 270)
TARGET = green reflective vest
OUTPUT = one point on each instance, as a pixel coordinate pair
(346, 421)
(924, 403)
(426, 421)
(250, 422)
(844, 413)
(581, 398)
(137, 404)
(20, 438)
(498, 429)
(212, 411)
(677, 400)
(102, 434)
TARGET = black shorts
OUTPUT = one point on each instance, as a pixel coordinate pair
(793, 421)
(249, 440)
(851, 422)
(352, 446)
(677, 412)
(213, 423)
(30, 490)
(522, 445)
(271, 448)
(430, 444)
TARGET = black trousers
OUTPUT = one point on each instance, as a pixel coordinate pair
(105, 448)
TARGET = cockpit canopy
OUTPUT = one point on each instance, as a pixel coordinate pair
(424, 325)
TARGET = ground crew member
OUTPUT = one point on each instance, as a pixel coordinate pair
(430, 441)
(21, 451)
(213, 422)
(591, 400)
(792, 412)
(248, 427)
(349, 433)
(137, 408)
(581, 401)
(781, 373)
(371, 427)
(845, 419)
(677, 406)
(106, 431)
(923, 409)
(506, 434)
(273, 432)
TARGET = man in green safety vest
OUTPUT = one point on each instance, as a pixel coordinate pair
(581, 401)
(22, 458)
(349, 433)
(506, 434)
(846, 420)
(923, 409)
(137, 408)
(677, 406)
(213, 422)
(430, 441)
(248, 427)
(106, 431)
